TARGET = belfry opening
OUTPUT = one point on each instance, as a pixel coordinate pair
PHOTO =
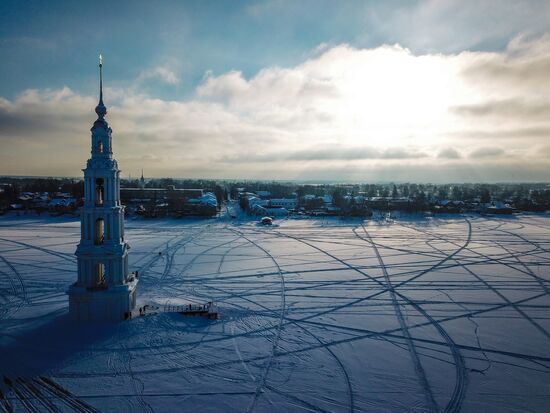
(99, 233)
(99, 192)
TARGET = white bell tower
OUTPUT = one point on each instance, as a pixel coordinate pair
(103, 290)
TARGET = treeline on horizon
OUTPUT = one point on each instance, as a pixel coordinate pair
(516, 192)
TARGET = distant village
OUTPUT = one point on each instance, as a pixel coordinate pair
(179, 198)
(152, 199)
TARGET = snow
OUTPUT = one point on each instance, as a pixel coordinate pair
(413, 314)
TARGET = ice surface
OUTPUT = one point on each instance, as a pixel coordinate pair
(416, 314)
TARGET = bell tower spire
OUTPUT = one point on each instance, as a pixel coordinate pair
(100, 79)
(100, 109)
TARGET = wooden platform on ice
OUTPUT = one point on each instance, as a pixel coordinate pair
(208, 310)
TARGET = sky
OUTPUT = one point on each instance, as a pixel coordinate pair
(368, 91)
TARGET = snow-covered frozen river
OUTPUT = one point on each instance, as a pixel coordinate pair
(423, 314)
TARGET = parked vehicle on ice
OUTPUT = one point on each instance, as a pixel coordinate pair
(266, 221)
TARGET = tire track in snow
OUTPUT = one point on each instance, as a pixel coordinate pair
(145, 267)
(146, 407)
(541, 281)
(5, 293)
(503, 297)
(459, 391)
(323, 345)
(275, 344)
(512, 254)
(65, 256)
(488, 258)
(421, 374)
(461, 377)
(22, 294)
(308, 332)
(301, 327)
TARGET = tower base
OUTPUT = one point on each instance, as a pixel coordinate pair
(114, 303)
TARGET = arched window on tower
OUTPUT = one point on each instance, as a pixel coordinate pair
(99, 191)
(100, 147)
(99, 274)
(99, 231)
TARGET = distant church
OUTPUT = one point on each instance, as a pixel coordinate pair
(142, 181)
(104, 290)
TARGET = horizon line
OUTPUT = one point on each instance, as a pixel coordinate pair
(294, 181)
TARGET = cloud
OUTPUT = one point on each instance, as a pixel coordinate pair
(223, 87)
(453, 26)
(162, 73)
(329, 154)
(523, 67)
(506, 108)
(342, 109)
(520, 134)
(35, 111)
(449, 153)
(486, 152)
